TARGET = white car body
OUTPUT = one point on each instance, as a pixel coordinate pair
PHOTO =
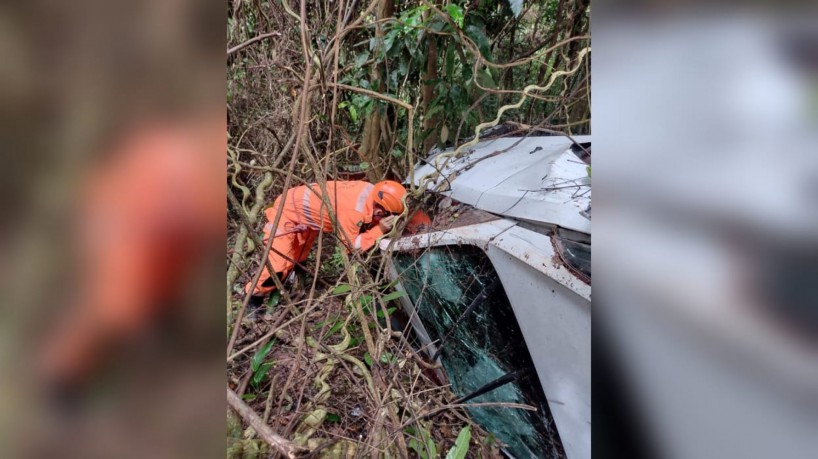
(534, 185)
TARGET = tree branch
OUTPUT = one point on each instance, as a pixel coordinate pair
(251, 41)
(281, 444)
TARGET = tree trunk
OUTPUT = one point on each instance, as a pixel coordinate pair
(428, 92)
(372, 138)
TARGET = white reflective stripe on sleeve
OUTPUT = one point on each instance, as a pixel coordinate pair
(359, 206)
(357, 244)
(305, 207)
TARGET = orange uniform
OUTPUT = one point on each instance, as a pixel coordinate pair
(305, 214)
(152, 207)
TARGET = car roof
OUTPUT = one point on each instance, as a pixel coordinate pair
(538, 179)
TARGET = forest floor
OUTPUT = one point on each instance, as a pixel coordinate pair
(307, 373)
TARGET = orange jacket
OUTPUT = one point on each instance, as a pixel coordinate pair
(152, 208)
(349, 201)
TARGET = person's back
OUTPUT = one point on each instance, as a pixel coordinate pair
(306, 210)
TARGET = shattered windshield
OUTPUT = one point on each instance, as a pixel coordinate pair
(462, 304)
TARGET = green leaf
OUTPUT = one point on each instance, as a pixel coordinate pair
(343, 288)
(485, 79)
(368, 359)
(338, 325)
(456, 94)
(450, 61)
(361, 59)
(388, 311)
(434, 110)
(410, 43)
(466, 73)
(415, 446)
(259, 356)
(456, 13)
(388, 357)
(332, 417)
(461, 445)
(260, 374)
(438, 25)
(516, 7)
(479, 37)
(388, 40)
(353, 113)
(431, 447)
(275, 298)
(394, 295)
(365, 301)
(424, 447)
(249, 397)
(412, 16)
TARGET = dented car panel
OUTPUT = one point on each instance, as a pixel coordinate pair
(537, 179)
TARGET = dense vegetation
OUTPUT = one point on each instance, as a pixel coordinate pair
(356, 88)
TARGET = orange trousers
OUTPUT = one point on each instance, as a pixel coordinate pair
(292, 243)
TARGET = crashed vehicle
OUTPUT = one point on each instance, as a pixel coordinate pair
(499, 287)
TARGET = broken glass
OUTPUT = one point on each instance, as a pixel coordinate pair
(481, 346)
(576, 255)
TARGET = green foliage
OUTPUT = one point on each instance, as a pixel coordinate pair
(461, 445)
(353, 111)
(366, 302)
(275, 298)
(358, 105)
(430, 59)
(334, 265)
(400, 59)
(386, 358)
(336, 324)
(424, 446)
(478, 35)
(258, 366)
(456, 13)
(343, 288)
(382, 315)
(393, 296)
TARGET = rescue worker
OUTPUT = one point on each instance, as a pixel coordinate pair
(364, 213)
(148, 215)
